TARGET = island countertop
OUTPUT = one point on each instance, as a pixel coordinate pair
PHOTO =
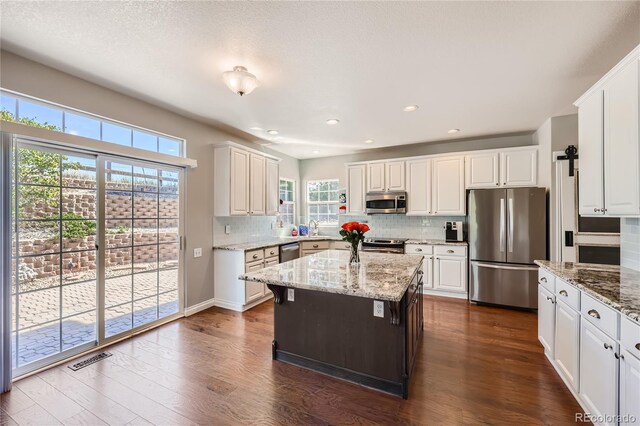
(378, 276)
(615, 286)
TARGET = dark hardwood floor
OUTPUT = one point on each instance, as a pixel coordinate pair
(477, 365)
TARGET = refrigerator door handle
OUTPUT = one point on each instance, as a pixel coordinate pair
(502, 226)
(510, 219)
(512, 267)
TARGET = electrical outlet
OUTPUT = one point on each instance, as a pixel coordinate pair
(378, 308)
(197, 252)
(290, 295)
(227, 229)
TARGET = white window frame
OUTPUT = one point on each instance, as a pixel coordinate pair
(320, 203)
(293, 196)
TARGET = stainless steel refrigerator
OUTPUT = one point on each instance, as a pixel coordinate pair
(507, 232)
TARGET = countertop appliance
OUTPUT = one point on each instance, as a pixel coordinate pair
(387, 202)
(289, 252)
(382, 245)
(507, 232)
(453, 231)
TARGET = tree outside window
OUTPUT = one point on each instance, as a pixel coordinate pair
(322, 201)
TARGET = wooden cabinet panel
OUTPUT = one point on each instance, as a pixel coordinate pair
(239, 182)
(482, 170)
(567, 343)
(546, 320)
(257, 185)
(418, 185)
(519, 167)
(394, 176)
(450, 274)
(591, 172)
(272, 187)
(621, 143)
(629, 389)
(375, 177)
(356, 188)
(448, 186)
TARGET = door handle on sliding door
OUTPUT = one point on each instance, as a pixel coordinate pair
(510, 219)
(502, 226)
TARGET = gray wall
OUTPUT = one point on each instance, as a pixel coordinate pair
(31, 78)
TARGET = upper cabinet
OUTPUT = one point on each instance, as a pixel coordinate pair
(448, 194)
(419, 187)
(356, 179)
(609, 138)
(246, 182)
(509, 168)
(386, 176)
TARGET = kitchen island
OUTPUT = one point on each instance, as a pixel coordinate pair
(358, 323)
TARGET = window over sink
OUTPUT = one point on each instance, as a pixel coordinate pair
(323, 201)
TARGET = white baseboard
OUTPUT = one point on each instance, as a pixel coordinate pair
(225, 304)
(199, 307)
(445, 293)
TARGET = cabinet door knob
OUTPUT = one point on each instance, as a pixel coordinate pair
(617, 356)
(564, 293)
(497, 183)
(607, 346)
(315, 246)
(449, 251)
(638, 346)
(543, 279)
(594, 313)
(255, 256)
(550, 299)
(418, 249)
(604, 210)
(596, 210)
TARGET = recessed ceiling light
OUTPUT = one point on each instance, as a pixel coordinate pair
(315, 151)
(272, 132)
(410, 108)
(453, 131)
(257, 129)
(332, 121)
(369, 141)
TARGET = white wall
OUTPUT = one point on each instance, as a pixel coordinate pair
(31, 78)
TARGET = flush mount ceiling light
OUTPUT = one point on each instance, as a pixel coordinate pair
(272, 132)
(240, 80)
(369, 141)
(453, 131)
(332, 121)
(410, 108)
(315, 151)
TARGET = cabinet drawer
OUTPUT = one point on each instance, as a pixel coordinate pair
(450, 250)
(600, 315)
(568, 294)
(340, 245)
(253, 266)
(315, 245)
(310, 252)
(547, 280)
(254, 255)
(630, 336)
(271, 262)
(272, 251)
(418, 249)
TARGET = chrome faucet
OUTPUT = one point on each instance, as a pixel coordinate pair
(313, 224)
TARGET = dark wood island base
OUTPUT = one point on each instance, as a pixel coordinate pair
(338, 335)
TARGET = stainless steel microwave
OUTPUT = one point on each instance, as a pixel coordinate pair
(388, 202)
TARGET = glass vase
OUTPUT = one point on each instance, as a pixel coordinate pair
(354, 259)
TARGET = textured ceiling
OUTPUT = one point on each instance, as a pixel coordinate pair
(484, 67)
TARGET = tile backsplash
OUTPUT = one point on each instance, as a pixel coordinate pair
(630, 243)
(248, 228)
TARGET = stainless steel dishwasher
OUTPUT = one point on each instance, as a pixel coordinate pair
(289, 252)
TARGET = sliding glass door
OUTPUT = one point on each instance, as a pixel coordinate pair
(95, 251)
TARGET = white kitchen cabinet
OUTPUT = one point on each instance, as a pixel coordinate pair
(591, 172)
(482, 170)
(598, 372)
(240, 181)
(418, 187)
(272, 187)
(519, 167)
(567, 343)
(356, 179)
(629, 388)
(448, 193)
(450, 273)
(394, 176)
(257, 186)
(386, 176)
(427, 269)
(546, 320)
(253, 290)
(375, 177)
(621, 143)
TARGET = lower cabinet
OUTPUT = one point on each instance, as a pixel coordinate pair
(450, 274)
(444, 268)
(414, 315)
(546, 320)
(598, 373)
(629, 388)
(567, 343)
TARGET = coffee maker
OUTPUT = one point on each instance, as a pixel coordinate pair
(453, 231)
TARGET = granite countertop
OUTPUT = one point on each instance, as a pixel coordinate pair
(275, 241)
(437, 242)
(378, 276)
(615, 286)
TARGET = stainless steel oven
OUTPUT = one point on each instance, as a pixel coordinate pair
(381, 245)
(388, 202)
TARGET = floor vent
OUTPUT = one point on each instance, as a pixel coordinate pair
(99, 357)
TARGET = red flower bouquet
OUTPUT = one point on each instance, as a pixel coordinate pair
(353, 232)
